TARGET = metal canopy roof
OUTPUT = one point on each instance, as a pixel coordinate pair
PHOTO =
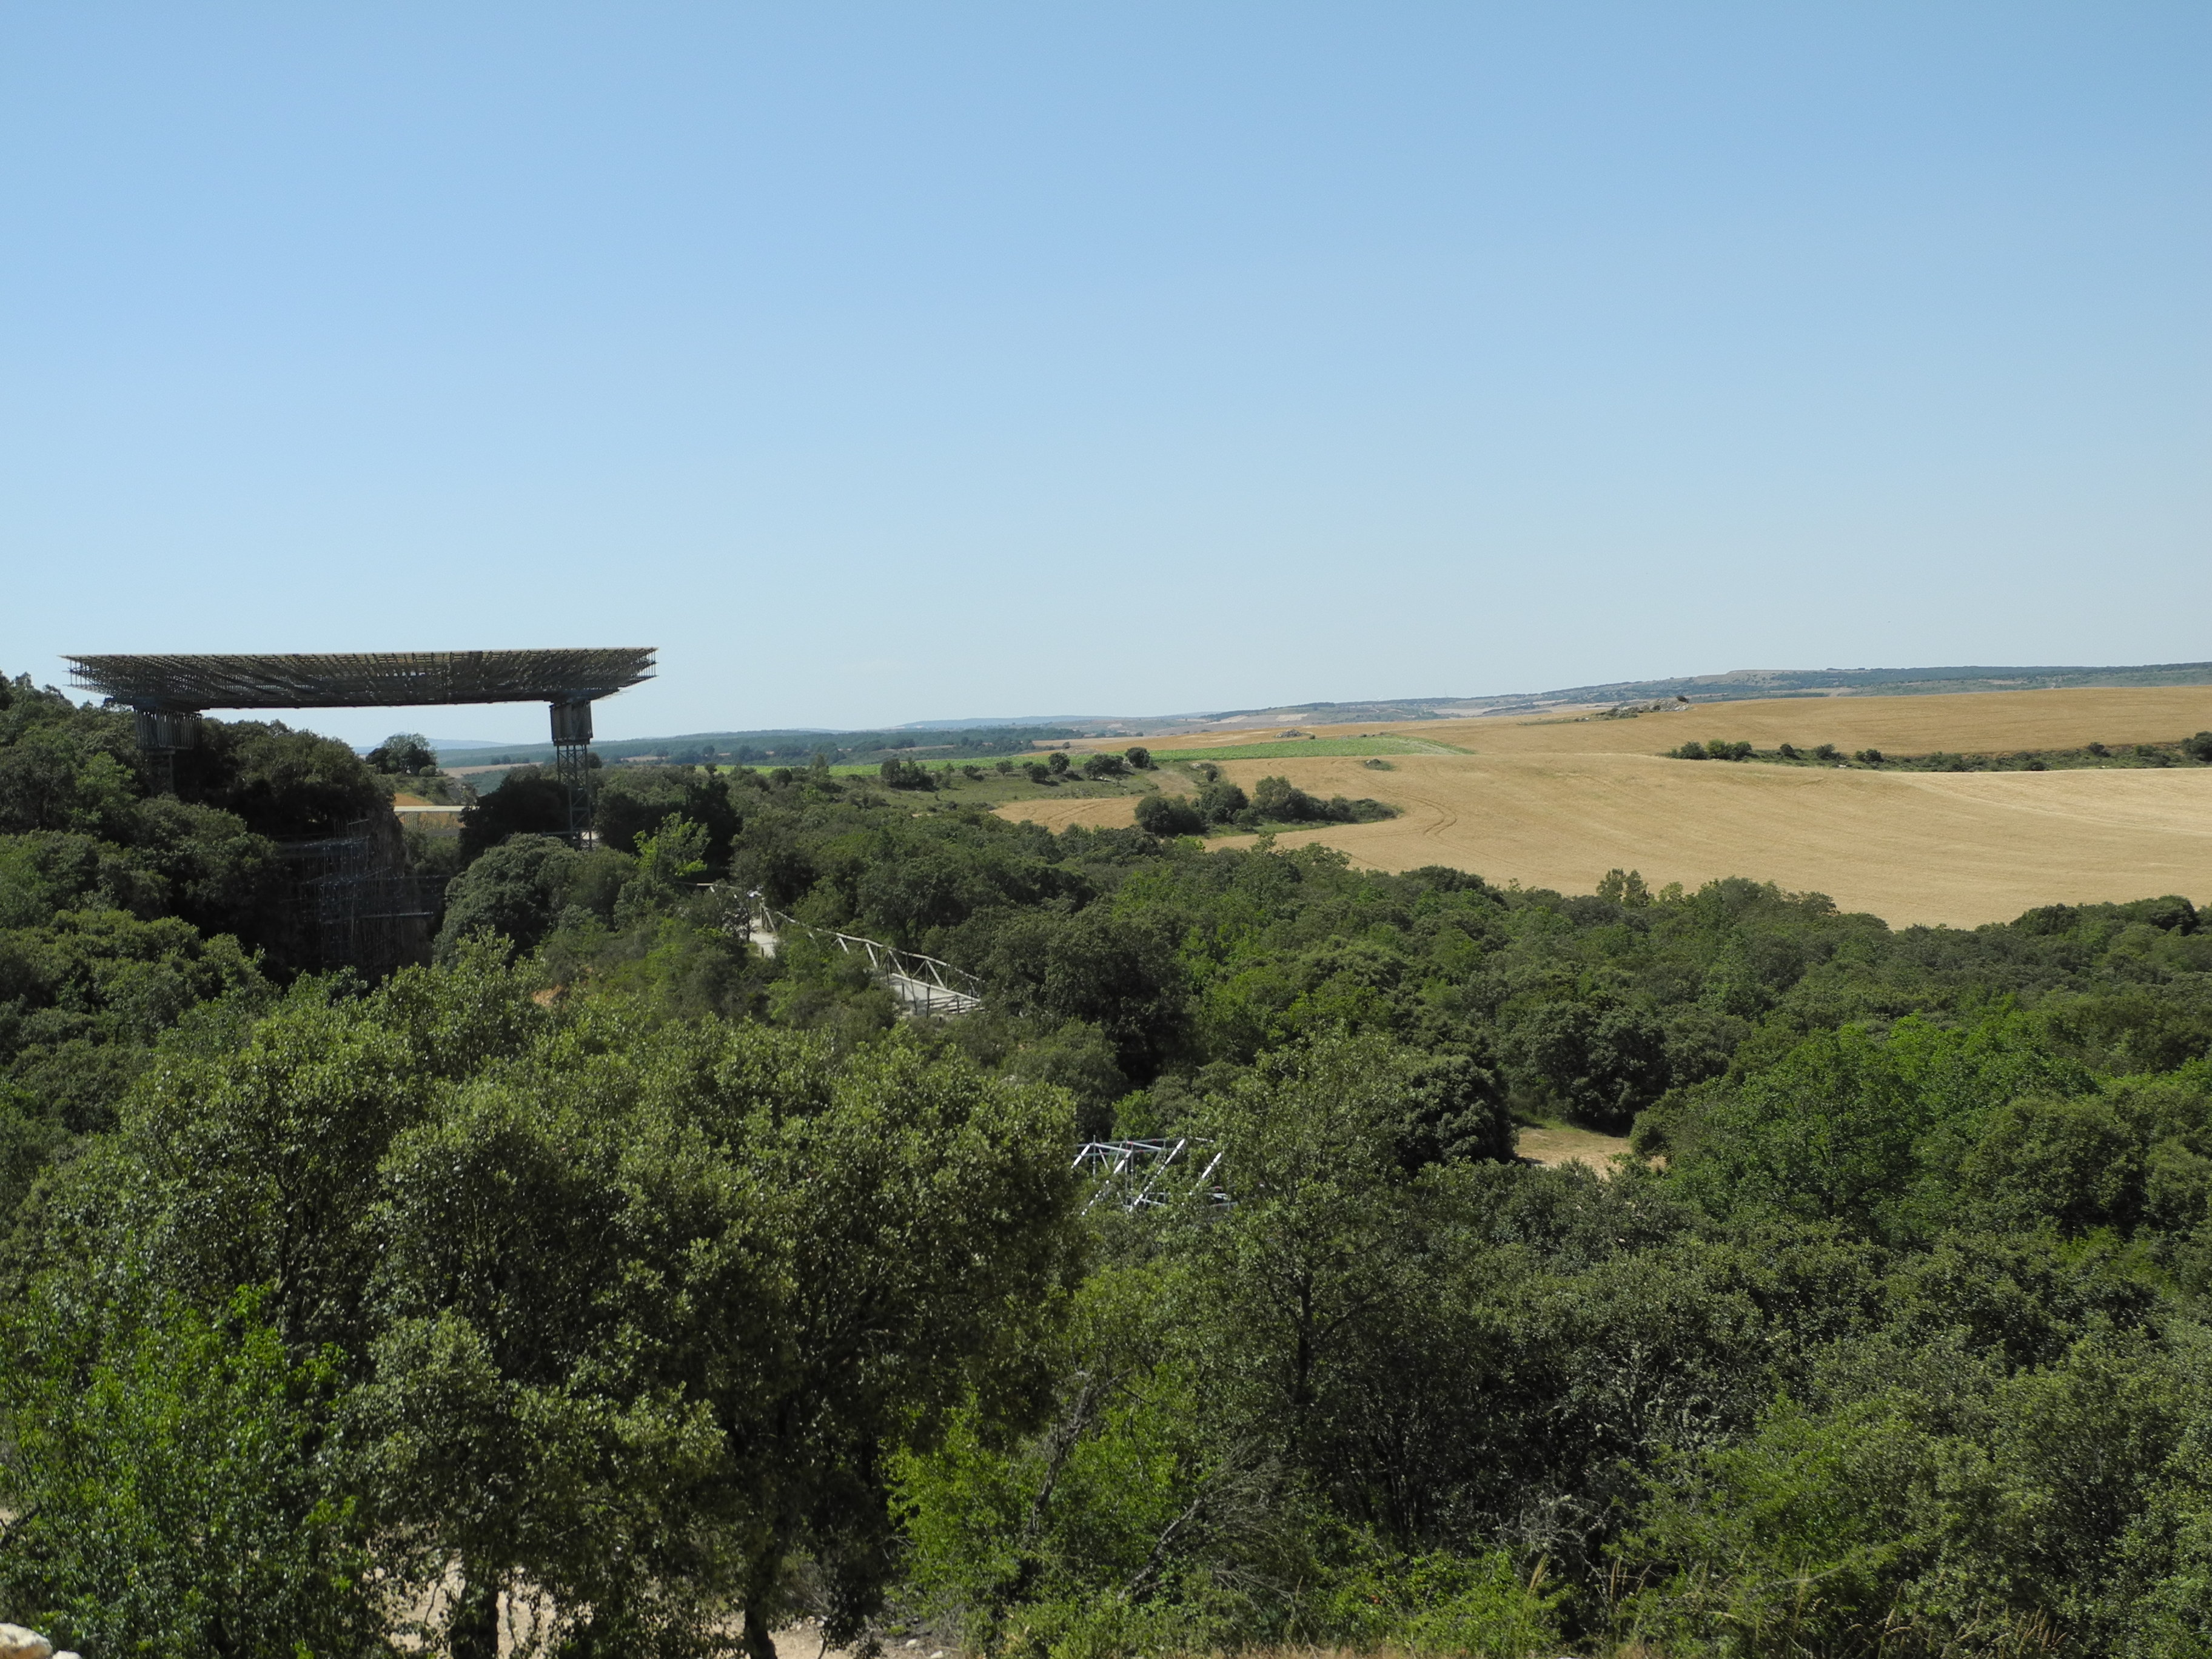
(362, 679)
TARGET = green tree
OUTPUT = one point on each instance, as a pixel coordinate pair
(1220, 801)
(172, 1484)
(515, 891)
(1169, 815)
(528, 802)
(1603, 1064)
(283, 783)
(625, 1309)
(1623, 887)
(403, 754)
(670, 864)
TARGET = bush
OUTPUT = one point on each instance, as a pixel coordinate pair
(1277, 800)
(2199, 748)
(1691, 750)
(1056, 762)
(1281, 801)
(1868, 756)
(1169, 815)
(1446, 1604)
(1220, 801)
(1140, 758)
(1104, 766)
(905, 774)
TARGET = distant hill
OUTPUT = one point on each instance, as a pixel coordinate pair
(964, 740)
(1737, 685)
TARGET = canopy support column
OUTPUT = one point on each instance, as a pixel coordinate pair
(162, 734)
(572, 747)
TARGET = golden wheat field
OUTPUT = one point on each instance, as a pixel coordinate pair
(1555, 803)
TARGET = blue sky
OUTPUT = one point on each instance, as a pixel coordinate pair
(887, 362)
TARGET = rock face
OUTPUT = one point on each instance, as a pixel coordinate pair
(17, 1643)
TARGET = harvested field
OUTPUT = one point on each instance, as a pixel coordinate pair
(1556, 803)
(1057, 815)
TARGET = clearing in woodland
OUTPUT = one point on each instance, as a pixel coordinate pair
(1558, 802)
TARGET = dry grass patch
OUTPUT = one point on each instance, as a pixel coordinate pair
(1556, 1146)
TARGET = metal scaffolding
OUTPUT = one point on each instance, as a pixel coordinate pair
(355, 902)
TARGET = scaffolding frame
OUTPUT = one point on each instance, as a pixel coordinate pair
(355, 902)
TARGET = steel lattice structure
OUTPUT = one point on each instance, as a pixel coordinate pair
(363, 679)
(1153, 1174)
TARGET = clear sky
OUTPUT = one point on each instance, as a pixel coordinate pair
(890, 362)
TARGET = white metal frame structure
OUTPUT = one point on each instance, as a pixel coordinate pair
(923, 985)
(1151, 1175)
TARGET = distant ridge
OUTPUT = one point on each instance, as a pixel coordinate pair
(1741, 685)
(999, 735)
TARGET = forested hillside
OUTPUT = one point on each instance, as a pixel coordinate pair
(612, 1284)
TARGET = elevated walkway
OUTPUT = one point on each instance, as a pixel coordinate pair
(924, 987)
